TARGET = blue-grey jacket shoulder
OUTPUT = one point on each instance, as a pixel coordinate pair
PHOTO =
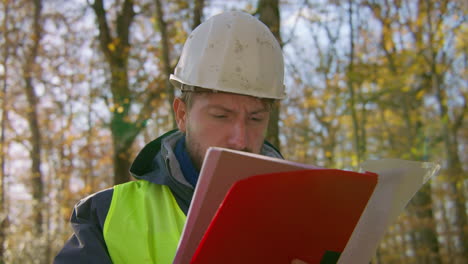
(95, 207)
(87, 244)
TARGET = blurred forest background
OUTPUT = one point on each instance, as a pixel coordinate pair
(84, 84)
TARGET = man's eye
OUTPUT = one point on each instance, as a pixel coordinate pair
(256, 119)
(220, 116)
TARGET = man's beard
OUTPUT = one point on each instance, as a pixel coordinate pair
(194, 150)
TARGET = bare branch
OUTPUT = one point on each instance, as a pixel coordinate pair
(105, 38)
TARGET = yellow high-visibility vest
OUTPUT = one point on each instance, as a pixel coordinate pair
(144, 224)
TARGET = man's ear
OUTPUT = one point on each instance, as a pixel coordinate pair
(180, 111)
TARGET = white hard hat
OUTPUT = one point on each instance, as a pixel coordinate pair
(232, 52)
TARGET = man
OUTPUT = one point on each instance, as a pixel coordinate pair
(229, 74)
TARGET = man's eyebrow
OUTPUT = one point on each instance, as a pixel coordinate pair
(223, 108)
(260, 111)
(219, 107)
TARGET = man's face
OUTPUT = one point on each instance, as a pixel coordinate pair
(225, 120)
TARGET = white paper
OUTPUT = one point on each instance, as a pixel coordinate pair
(398, 181)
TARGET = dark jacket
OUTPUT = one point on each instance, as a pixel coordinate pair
(155, 163)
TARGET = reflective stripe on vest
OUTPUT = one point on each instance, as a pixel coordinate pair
(144, 224)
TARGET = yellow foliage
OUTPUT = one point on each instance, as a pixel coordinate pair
(111, 47)
(310, 102)
(65, 212)
(405, 88)
(300, 153)
(354, 160)
(87, 189)
(183, 4)
(420, 95)
(120, 109)
(81, 77)
(178, 24)
(70, 139)
(328, 118)
(180, 38)
(289, 121)
(250, 8)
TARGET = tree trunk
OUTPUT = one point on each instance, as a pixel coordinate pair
(3, 201)
(358, 141)
(33, 119)
(449, 256)
(421, 205)
(198, 13)
(166, 54)
(123, 133)
(268, 11)
(89, 177)
(425, 237)
(116, 51)
(165, 49)
(122, 165)
(454, 170)
(450, 127)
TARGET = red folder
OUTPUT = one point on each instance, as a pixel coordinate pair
(275, 218)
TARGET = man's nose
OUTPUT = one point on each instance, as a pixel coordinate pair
(238, 136)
